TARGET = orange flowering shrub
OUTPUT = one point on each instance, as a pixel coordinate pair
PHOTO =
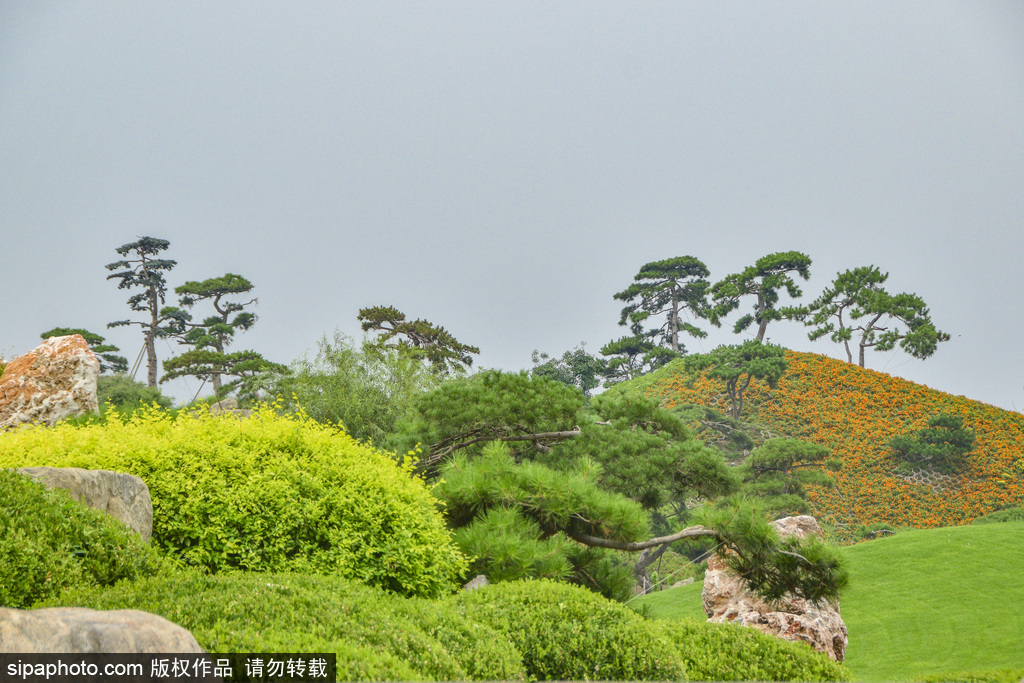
(855, 412)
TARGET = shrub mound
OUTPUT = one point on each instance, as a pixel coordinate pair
(726, 652)
(377, 636)
(567, 633)
(49, 542)
(1000, 516)
(264, 493)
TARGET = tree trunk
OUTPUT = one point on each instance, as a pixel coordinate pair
(154, 302)
(646, 559)
(762, 322)
(674, 322)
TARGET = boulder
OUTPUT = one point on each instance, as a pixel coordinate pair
(680, 584)
(122, 496)
(54, 381)
(726, 597)
(478, 582)
(81, 630)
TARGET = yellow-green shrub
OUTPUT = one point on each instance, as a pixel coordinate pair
(268, 492)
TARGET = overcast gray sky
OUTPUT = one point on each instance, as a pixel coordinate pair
(503, 168)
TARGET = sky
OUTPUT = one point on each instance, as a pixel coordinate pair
(503, 168)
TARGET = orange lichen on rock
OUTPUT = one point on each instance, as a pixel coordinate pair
(55, 380)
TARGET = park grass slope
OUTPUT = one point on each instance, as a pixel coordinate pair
(931, 604)
(856, 412)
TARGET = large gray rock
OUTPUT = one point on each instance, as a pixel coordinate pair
(81, 630)
(55, 380)
(122, 496)
(726, 597)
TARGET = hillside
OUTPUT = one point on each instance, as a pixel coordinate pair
(855, 412)
(921, 603)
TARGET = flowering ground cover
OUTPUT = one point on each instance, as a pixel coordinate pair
(855, 412)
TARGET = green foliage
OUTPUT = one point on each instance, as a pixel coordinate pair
(728, 652)
(576, 368)
(633, 356)
(778, 471)
(567, 633)
(859, 293)
(646, 454)
(249, 369)
(670, 288)
(943, 445)
(466, 412)
(1001, 516)
(49, 542)
(738, 365)
(366, 390)
(376, 636)
(763, 280)
(128, 395)
(867, 532)
(109, 362)
(420, 337)
(774, 566)
(265, 493)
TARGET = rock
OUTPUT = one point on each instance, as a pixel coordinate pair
(81, 630)
(122, 496)
(54, 381)
(684, 582)
(726, 597)
(229, 406)
(479, 582)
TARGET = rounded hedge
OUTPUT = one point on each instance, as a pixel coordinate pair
(727, 652)
(377, 636)
(567, 633)
(49, 542)
(264, 493)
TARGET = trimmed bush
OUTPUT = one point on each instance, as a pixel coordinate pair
(49, 542)
(126, 394)
(726, 652)
(568, 633)
(377, 636)
(264, 493)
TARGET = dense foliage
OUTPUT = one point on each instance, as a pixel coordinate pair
(779, 471)
(942, 445)
(727, 652)
(49, 542)
(855, 412)
(264, 493)
(127, 394)
(568, 633)
(738, 365)
(376, 636)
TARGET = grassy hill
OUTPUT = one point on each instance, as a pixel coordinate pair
(922, 604)
(855, 412)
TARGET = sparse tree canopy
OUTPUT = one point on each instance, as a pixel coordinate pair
(109, 362)
(216, 332)
(738, 365)
(667, 288)
(146, 272)
(432, 342)
(576, 368)
(763, 281)
(247, 367)
(630, 357)
(876, 318)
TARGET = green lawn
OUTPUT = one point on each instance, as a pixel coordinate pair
(922, 603)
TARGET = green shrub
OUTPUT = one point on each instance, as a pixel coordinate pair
(264, 493)
(566, 632)
(49, 542)
(943, 445)
(727, 652)
(867, 532)
(127, 395)
(377, 636)
(1007, 515)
